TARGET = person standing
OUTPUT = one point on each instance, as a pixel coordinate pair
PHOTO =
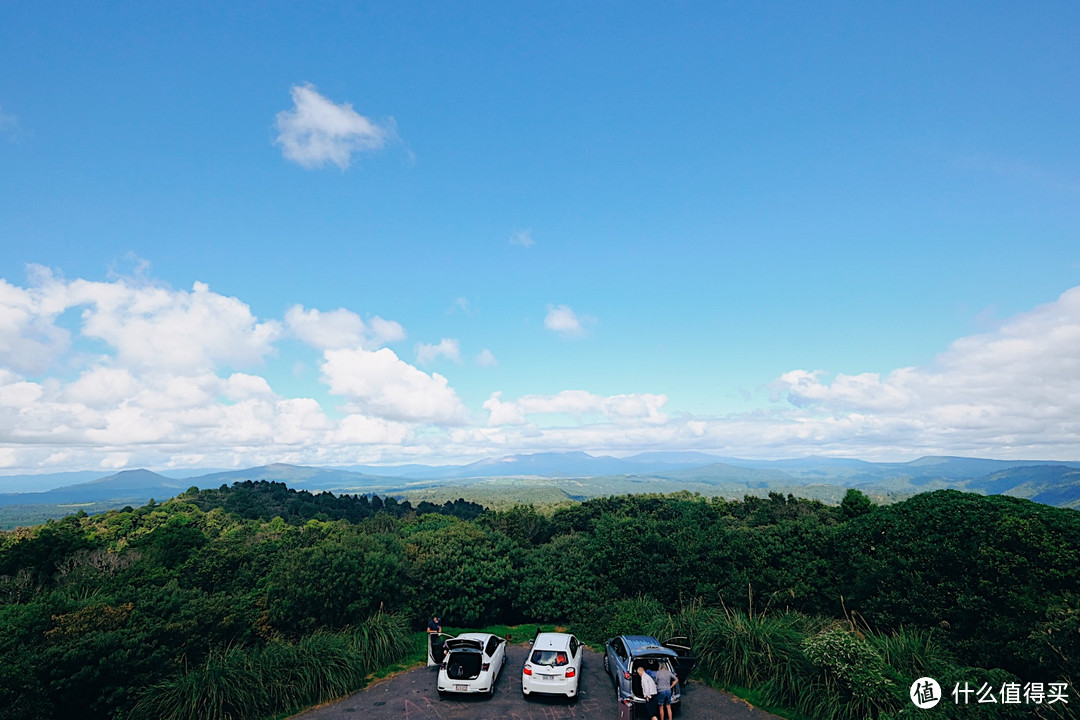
(665, 687)
(436, 643)
(648, 691)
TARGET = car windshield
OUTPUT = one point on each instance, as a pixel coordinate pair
(550, 657)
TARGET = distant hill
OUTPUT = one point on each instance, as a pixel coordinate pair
(553, 478)
(1048, 484)
(301, 477)
(136, 486)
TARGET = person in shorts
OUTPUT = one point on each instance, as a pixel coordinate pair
(665, 685)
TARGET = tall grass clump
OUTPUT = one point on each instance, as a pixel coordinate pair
(761, 652)
(915, 653)
(381, 640)
(225, 685)
(249, 683)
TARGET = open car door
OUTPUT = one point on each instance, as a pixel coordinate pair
(436, 649)
(687, 662)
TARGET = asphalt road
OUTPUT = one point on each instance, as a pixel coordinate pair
(411, 696)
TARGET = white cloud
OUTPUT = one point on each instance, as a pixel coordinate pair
(447, 348)
(167, 330)
(522, 238)
(1013, 390)
(340, 329)
(164, 388)
(622, 410)
(358, 428)
(381, 384)
(241, 386)
(385, 331)
(564, 321)
(29, 341)
(318, 131)
(501, 413)
(485, 358)
(102, 387)
(16, 392)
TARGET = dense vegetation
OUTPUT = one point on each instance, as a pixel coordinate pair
(149, 612)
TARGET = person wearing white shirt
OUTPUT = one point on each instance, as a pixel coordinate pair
(648, 690)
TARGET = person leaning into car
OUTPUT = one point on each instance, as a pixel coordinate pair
(648, 690)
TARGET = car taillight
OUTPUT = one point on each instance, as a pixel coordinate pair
(528, 670)
(486, 666)
(570, 672)
(626, 675)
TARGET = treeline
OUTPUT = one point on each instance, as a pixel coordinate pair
(266, 500)
(105, 616)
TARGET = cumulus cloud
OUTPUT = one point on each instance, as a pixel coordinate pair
(168, 330)
(318, 131)
(157, 390)
(486, 358)
(563, 320)
(29, 339)
(341, 328)
(1016, 387)
(447, 348)
(146, 375)
(381, 384)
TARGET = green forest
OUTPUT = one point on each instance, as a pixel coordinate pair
(254, 600)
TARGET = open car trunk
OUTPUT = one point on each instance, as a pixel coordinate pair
(650, 663)
(464, 664)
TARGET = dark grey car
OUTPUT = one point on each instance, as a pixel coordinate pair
(624, 653)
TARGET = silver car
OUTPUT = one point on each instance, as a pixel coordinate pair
(623, 655)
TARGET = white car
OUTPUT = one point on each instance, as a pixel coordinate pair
(553, 666)
(471, 663)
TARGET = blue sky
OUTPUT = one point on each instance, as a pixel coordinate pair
(330, 233)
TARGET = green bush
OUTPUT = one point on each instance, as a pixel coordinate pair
(850, 679)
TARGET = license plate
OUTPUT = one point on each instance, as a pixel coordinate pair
(461, 688)
(549, 677)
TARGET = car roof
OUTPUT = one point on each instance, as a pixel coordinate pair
(645, 645)
(552, 641)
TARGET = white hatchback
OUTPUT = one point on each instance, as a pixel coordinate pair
(553, 666)
(471, 663)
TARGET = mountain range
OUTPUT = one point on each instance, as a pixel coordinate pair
(570, 476)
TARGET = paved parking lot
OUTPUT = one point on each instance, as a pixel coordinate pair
(412, 696)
